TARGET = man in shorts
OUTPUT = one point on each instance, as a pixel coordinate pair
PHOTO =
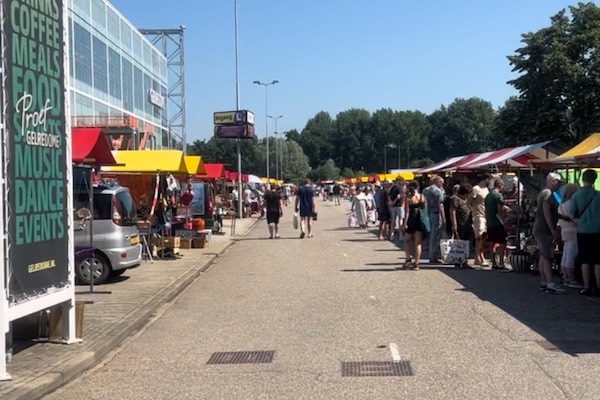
(396, 203)
(476, 202)
(495, 209)
(585, 207)
(274, 206)
(546, 233)
(434, 195)
(337, 189)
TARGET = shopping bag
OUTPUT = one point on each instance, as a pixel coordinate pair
(295, 221)
(454, 251)
(371, 216)
(352, 221)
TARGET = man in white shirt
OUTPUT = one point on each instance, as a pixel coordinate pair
(477, 204)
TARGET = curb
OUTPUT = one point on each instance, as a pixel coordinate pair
(62, 373)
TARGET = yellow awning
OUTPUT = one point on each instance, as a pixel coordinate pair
(194, 165)
(149, 161)
(587, 146)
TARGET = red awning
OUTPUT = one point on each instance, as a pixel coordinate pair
(213, 171)
(90, 147)
(233, 176)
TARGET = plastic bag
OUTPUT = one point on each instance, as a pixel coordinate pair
(295, 221)
(352, 221)
(454, 251)
(371, 216)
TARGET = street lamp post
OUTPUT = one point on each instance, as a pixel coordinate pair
(237, 105)
(277, 160)
(391, 146)
(266, 85)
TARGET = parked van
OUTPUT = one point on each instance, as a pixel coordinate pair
(115, 233)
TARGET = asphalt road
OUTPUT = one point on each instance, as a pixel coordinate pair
(337, 298)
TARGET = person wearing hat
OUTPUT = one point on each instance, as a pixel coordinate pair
(545, 231)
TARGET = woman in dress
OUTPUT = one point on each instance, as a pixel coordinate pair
(359, 206)
(370, 205)
(413, 226)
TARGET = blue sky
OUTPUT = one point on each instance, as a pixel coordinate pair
(334, 55)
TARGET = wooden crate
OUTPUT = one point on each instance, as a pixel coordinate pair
(199, 242)
(186, 243)
(167, 241)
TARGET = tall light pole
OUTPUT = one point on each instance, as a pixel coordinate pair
(237, 105)
(276, 145)
(266, 85)
(391, 146)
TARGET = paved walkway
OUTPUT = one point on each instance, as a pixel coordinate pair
(134, 298)
(337, 298)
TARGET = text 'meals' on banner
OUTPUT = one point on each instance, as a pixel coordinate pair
(36, 147)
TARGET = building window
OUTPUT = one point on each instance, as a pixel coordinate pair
(71, 46)
(84, 106)
(127, 85)
(126, 37)
(137, 47)
(114, 75)
(100, 67)
(114, 27)
(147, 105)
(148, 56)
(82, 8)
(82, 53)
(99, 13)
(138, 90)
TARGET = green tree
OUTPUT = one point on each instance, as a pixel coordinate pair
(295, 162)
(315, 138)
(347, 173)
(328, 170)
(559, 79)
(353, 141)
(465, 126)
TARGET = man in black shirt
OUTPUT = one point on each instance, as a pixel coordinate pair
(274, 207)
(336, 194)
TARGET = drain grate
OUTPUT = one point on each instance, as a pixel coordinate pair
(546, 345)
(242, 357)
(376, 368)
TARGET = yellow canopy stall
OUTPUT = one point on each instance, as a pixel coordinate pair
(194, 165)
(575, 155)
(149, 161)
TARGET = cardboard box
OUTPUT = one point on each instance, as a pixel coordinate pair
(186, 243)
(55, 331)
(199, 242)
(167, 241)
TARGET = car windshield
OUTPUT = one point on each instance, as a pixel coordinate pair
(125, 207)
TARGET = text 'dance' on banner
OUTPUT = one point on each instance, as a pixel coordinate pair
(36, 150)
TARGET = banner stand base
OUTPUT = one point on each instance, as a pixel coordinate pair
(5, 377)
(65, 341)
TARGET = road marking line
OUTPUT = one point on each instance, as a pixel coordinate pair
(395, 352)
(372, 297)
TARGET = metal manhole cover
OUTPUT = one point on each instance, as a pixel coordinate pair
(546, 345)
(242, 357)
(376, 368)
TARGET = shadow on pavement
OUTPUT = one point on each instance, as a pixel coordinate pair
(569, 322)
(372, 270)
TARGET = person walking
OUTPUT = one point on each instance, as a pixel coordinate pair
(383, 213)
(336, 194)
(495, 210)
(396, 202)
(359, 206)
(434, 196)
(248, 195)
(306, 207)
(545, 232)
(413, 226)
(568, 234)
(476, 202)
(585, 208)
(274, 206)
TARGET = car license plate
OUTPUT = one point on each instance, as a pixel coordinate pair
(135, 240)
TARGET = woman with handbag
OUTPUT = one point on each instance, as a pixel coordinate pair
(415, 226)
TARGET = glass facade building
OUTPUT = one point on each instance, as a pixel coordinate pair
(118, 78)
